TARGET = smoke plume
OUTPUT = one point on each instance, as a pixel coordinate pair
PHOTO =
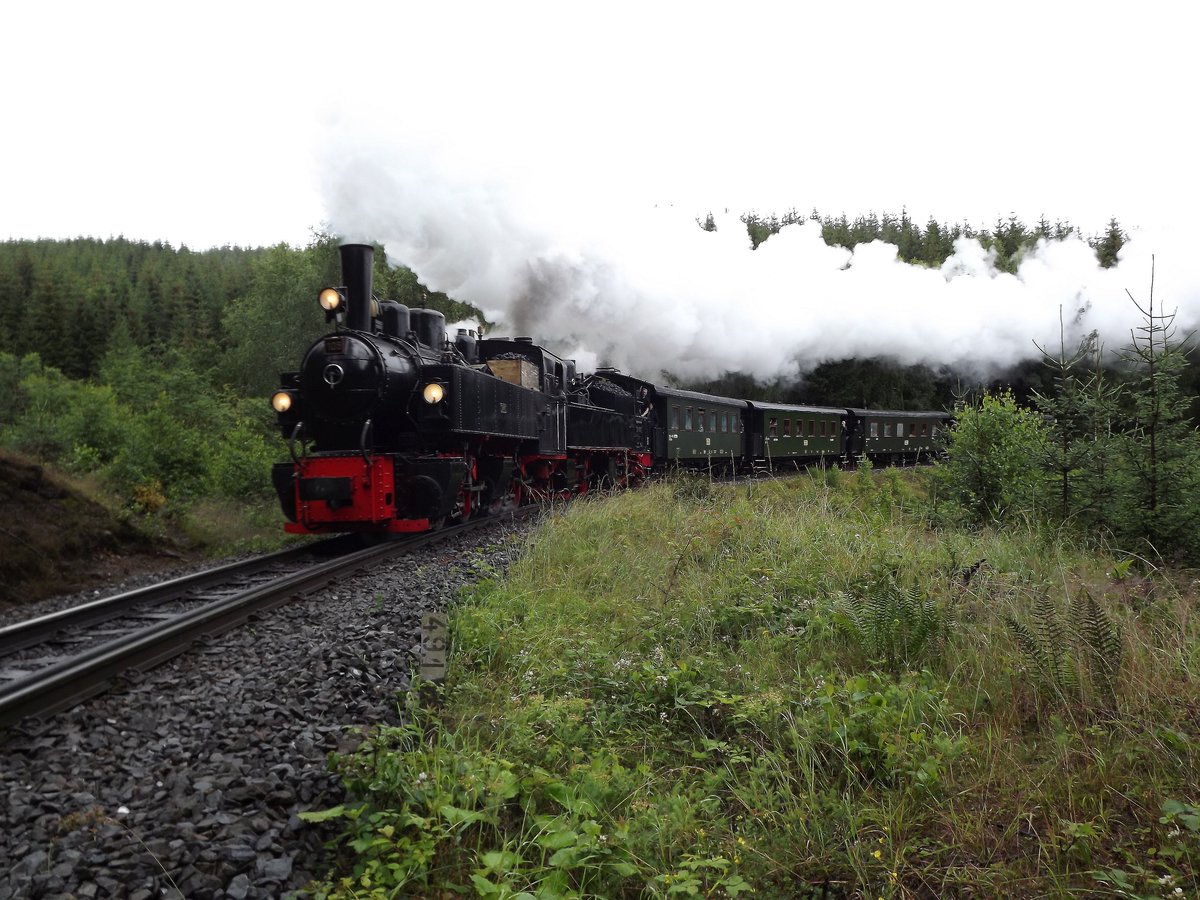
(645, 289)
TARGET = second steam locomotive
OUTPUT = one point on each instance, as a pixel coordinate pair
(394, 428)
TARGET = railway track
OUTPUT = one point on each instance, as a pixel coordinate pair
(53, 662)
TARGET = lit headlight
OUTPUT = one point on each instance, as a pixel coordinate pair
(331, 300)
(281, 401)
(433, 393)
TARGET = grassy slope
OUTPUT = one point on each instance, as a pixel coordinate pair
(54, 538)
(799, 687)
(60, 534)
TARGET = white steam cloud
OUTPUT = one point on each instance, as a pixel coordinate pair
(648, 290)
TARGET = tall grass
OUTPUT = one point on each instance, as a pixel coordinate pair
(794, 687)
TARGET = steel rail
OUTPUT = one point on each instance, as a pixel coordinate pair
(30, 632)
(57, 687)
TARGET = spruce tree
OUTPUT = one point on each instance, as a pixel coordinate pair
(1108, 246)
(1066, 409)
(1160, 445)
(1097, 484)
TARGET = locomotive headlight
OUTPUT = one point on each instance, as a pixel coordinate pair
(433, 393)
(332, 300)
(281, 401)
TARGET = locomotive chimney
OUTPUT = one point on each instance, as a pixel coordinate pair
(356, 273)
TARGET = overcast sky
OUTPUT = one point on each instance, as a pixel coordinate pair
(205, 123)
(528, 126)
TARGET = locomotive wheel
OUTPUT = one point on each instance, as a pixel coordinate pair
(464, 501)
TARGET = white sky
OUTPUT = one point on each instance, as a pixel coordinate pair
(202, 123)
(546, 125)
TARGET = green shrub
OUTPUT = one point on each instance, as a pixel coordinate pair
(240, 463)
(991, 472)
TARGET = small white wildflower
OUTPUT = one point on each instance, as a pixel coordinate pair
(662, 680)
(602, 840)
(122, 810)
(422, 777)
(662, 716)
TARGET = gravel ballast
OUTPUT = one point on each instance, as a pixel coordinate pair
(188, 782)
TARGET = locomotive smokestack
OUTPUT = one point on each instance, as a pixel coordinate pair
(356, 272)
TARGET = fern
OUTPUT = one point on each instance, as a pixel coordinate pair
(1034, 651)
(1099, 639)
(1055, 643)
(896, 626)
(1064, 657)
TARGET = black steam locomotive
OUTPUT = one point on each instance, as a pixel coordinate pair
(393, 428)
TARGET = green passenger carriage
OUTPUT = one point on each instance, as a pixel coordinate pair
(701, 428)
(793, 435)
(886, 434)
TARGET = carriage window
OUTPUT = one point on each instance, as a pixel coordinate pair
(700, 420)
(924, 429)
(933, 430)
(823, 429)
(773, 428)
(835, 428)
(912, 430)
(787, 427)
(674, 418)
(875, 429)
(724, 422)
(812, 427)
(887, 429)
(687, 419)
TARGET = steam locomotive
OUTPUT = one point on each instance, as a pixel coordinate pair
(391, 427)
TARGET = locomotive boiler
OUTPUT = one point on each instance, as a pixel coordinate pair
(394, 428)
